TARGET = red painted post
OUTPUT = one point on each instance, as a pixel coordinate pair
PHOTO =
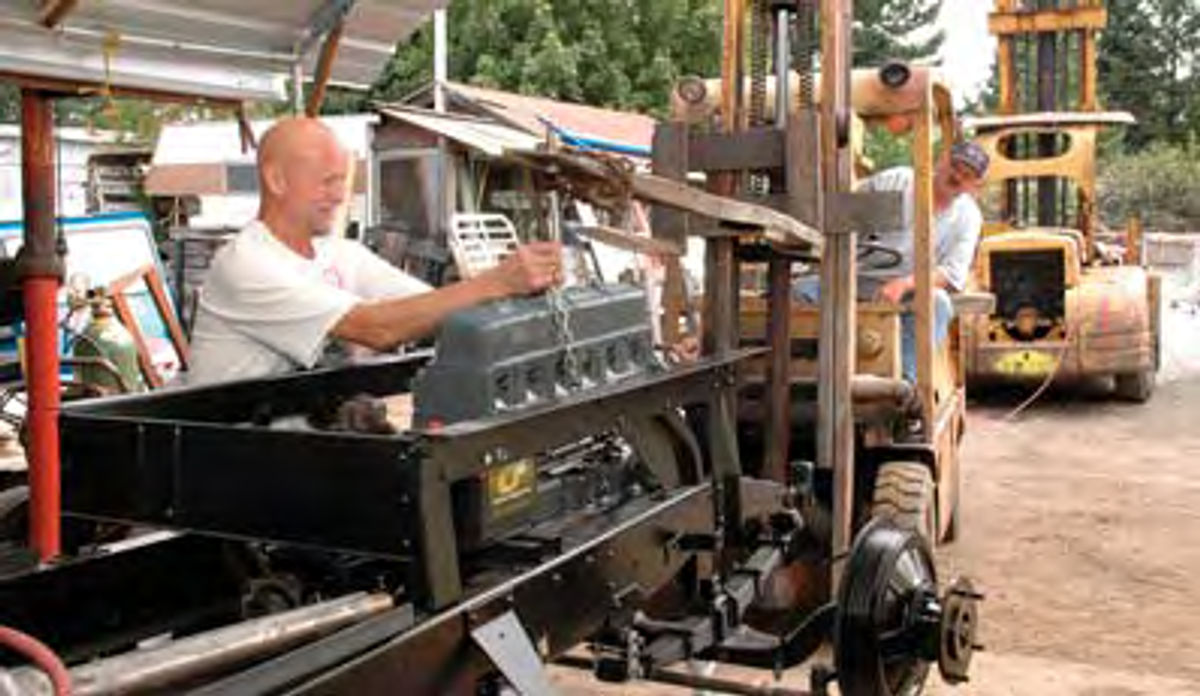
(41, 270)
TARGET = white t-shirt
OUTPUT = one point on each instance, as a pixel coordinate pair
(266, 310)
(956, 232)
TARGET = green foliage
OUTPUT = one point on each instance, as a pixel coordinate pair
(902, 29)
(1160, 183)
(624, 54)
(886, 150)
(1147, 63)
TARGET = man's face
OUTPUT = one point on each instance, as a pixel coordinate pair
(954, 178)
(316, 185)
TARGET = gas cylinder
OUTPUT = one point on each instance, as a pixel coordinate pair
(105, 338)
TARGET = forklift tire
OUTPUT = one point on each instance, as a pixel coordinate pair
(1136, 386)
(904, 493)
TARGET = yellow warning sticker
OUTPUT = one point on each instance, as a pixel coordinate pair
(1025, 363)
(510, 484)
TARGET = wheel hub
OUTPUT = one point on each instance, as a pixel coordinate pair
(892, 625)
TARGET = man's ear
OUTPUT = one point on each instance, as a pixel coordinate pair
(274, 179)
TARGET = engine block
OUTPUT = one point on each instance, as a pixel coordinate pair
(511, 355)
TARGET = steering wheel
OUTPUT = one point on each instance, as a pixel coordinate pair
(890, 257)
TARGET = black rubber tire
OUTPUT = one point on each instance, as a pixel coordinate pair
(1137, 387)
(905, 494)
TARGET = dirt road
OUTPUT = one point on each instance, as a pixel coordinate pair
(1083, 520)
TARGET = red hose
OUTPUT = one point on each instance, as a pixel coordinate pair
(41, 656)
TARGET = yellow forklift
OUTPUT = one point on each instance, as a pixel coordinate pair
(906, 436)
(1067, 304)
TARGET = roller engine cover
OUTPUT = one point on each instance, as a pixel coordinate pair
(508, 355)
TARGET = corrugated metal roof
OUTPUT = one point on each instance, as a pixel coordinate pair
(488, 137)
(226, 49)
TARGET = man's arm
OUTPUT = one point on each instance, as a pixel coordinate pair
(383, 324)
(894, 290)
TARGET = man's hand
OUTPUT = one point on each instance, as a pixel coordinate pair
(893, 291)
(529, 269)
(687, 350)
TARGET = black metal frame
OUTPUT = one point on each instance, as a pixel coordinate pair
(187, 459)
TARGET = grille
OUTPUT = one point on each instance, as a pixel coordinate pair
(1029, 279)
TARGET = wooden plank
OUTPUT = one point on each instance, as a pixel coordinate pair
(1047, 21)
(631, 242)
(835, 417)
(755, 149)
(863, 212)
(1006, 75)
(1050, 119)
(1087, 97)
(923, 165)
(669, 225)
(804, 199)
(777, 227)
(803, 180)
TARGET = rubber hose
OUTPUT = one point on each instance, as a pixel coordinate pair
(41, 656)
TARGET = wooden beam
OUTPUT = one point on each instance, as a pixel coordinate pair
(329, 51)
(838, 346)
(777, 227)
(669, 160)
(54, 11)
(1007, 75)
(760, 148)
(1045, 21)
(1087, 91)
(923, 165)
(631, 242)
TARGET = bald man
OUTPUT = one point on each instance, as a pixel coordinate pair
(285, 294)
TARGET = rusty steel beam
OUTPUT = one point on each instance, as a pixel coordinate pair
(55, 11)
(40, 268)
(329, 51)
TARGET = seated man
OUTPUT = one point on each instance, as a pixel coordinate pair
(285, 294)
(957, 225)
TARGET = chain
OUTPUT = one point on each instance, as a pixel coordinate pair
(560, 318)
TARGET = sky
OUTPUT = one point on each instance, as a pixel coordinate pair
(968, 51)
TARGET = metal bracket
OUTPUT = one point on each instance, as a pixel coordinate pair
(507, 645)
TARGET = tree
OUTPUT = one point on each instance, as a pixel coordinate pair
(624, 54)
(901, 29)
(1148, 57)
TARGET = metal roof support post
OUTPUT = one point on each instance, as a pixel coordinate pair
(441, 51)
(55, 11)
(329, 51)
(297, 88)
(41, 270)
